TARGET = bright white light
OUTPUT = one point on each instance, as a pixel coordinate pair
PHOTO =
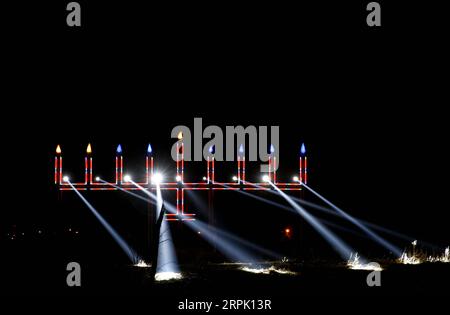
(268, 270)
(204, 177)
(157, 178)
(142, 264)
(164, 276)
(178, 178)
(97, 179)
(415, 259)
(444, 258)
(409, 259)
(66, 178)
(355, 264)
(266, 178)
(295, 178)
(127, 178)
(235, 178)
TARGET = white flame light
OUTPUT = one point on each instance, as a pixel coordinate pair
(266, 178)
(295, 178)
(66, 178)
(178, 178)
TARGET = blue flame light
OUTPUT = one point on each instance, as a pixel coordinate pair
(303, 149)
(212, 149)
(272, 148)
(241, 148)
(149, 149)
(119, 149)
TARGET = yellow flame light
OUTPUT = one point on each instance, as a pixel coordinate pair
(180, 135)
(58, 149)
(89, 149)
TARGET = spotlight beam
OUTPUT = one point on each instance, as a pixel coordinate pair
(228, 248)
(369, 232)
(338, 245)
(248, 244)
(280, 206)
(151, 195)
(367, 223)
(128, 192)
(119, 240)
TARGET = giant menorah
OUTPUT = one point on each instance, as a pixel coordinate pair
(208, 182)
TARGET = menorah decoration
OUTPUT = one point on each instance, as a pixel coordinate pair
(208, 182)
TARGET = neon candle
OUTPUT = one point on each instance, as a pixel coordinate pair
(88, 152)
(302, 154)
(240, 157)
(272, 151)
(149, 153)
(57, 158)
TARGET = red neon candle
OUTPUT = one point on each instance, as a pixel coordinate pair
(85, 170)
(243, 169)
(90, 170)
(270, 167)
(182, 162)
(239, 169)
(58, 154)
(182, 201)
(56, 169)
(300, 170)
(213, 171)
(60, 169)
(151, 166)
(117, 170)
(306, 170)
(121, 169)
(146, 169)
(178, 201)
(274, 169)
(178, 153)
(207, 169)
